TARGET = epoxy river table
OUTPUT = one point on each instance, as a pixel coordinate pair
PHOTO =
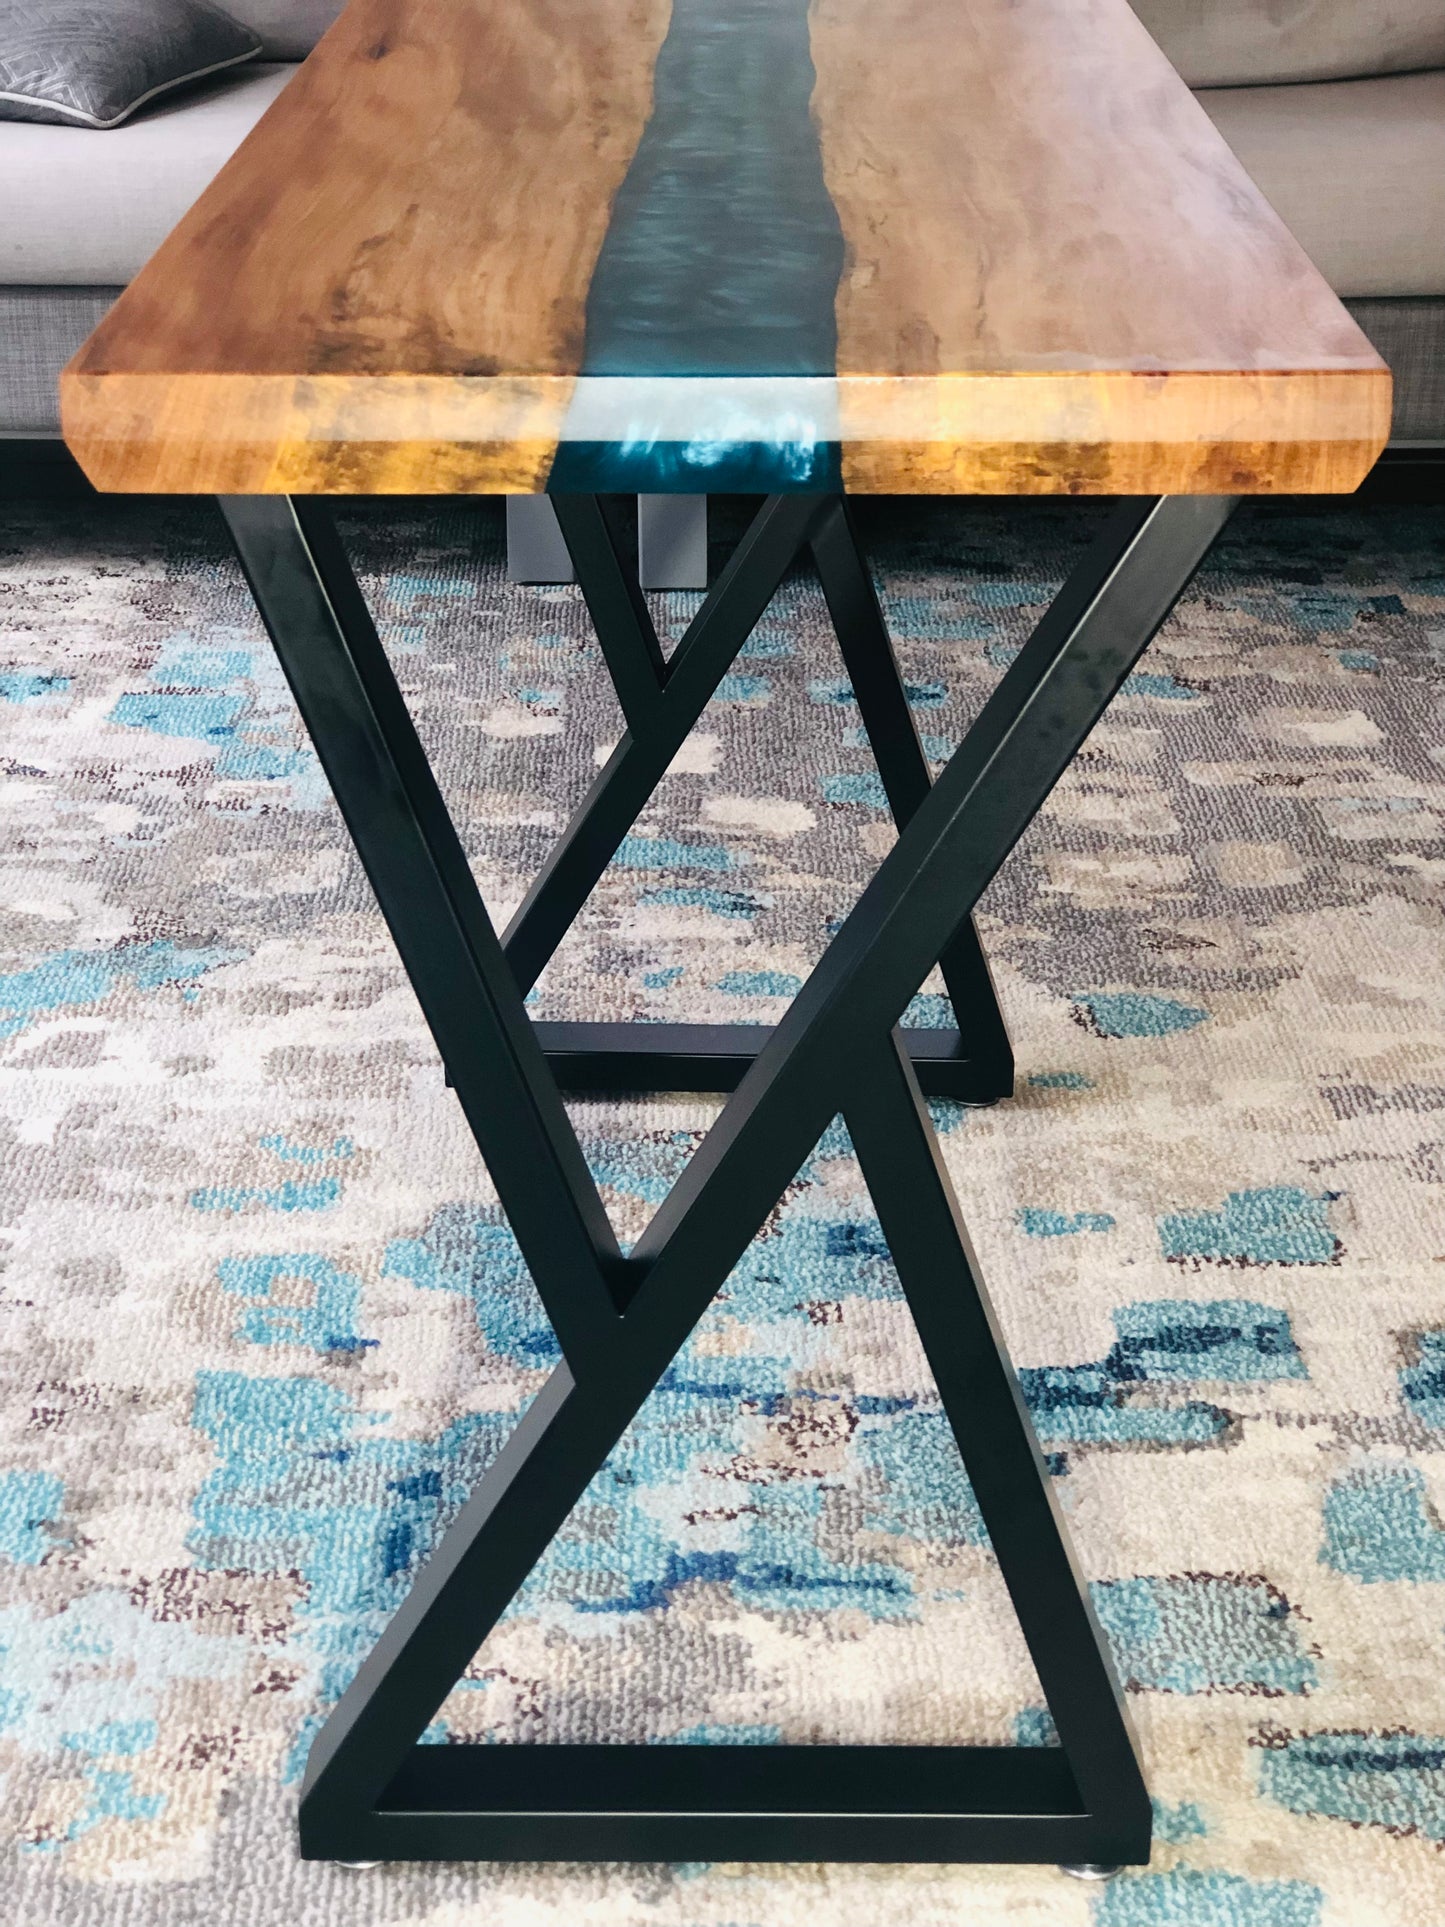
(803, 248)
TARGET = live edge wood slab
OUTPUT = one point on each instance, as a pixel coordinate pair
(938, 246)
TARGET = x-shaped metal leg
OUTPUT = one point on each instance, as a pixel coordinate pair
(661, 701)
(370, 1791)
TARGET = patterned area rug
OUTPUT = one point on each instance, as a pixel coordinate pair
(264, 1325)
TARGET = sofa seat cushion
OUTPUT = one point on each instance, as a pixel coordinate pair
(1356, 168)
(289, 29)
(1242, 43)
(82, 211)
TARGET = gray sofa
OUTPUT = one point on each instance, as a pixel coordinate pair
(1336, 107)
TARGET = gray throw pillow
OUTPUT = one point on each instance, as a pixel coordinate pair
(91, 63)
(289, 29)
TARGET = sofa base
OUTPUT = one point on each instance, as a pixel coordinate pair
(40, 329)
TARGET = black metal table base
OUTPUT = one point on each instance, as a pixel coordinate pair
(371, 1792)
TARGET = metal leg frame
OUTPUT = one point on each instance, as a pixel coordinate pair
(371, 1793)
(661, 702)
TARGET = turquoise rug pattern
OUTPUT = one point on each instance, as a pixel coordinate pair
(262, 1323)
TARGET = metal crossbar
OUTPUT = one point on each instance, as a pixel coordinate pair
(370, 1791)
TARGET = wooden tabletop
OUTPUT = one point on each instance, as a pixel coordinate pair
(953, 246)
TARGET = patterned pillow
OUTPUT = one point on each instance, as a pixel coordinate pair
(91, 63)
(289, 29)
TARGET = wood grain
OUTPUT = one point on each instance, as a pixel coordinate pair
(1056, 277)
(1027, 188)
(427, 198)
(1115, 432)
